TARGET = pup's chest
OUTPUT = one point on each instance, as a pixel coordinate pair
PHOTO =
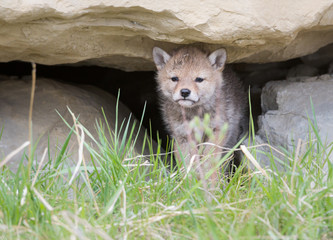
(182, 129)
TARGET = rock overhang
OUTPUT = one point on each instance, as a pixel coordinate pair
(121, 34)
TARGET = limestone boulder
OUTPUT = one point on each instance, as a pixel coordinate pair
(287, 111)
(48, 127)
(121, 34)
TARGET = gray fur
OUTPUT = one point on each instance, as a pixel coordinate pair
(228, 104)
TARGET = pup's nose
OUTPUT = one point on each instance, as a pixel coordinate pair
(185, 92)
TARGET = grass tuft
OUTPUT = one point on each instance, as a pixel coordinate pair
(116, 192)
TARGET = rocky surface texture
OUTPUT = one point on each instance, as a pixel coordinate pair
(121, 34)
(287, 110)
(52, 96)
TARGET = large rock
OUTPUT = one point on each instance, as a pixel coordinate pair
(287, 110)
(121, 34)
(52, 96)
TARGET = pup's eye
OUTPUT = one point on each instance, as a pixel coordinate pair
(174, 79)
(199, 79)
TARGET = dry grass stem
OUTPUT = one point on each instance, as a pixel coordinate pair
(253, 160)
(81, 155)
(187, 172)
(13, 153)
(123, 210)
(79, 162)
(298, 148)
(32, 97)
(40, 197)
(24, 195)
(39, 167)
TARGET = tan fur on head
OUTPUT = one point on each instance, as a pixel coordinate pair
(187, 65)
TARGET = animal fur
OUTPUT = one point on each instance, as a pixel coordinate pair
(192, 83)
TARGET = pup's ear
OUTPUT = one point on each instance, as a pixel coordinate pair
(160, 57)
(218, 58)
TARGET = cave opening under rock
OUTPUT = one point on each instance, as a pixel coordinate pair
(139, 88)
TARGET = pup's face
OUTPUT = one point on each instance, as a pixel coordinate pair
(189, 77)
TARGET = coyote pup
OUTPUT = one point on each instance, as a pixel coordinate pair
(192, 83)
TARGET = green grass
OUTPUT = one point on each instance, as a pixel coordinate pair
(118, 194)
